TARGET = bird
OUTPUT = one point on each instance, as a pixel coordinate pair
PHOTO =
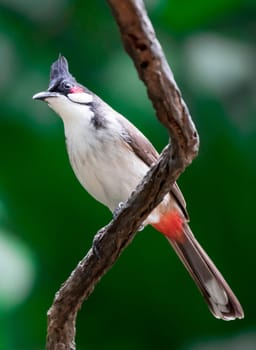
(110, 157)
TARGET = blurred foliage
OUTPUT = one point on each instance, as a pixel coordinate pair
(47, 221)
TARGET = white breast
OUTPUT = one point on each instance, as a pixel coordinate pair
(105, 167)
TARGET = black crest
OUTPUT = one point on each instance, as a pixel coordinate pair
(59, 72)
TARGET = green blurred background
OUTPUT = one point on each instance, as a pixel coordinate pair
(47, 221)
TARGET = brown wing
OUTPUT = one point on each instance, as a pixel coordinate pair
(148, 154)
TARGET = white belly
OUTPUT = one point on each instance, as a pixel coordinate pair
(107, 169)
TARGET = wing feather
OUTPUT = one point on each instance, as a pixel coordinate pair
(143, 148)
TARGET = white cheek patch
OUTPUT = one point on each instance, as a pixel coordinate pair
(80, 97)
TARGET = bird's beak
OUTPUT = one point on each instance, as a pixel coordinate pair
(45, 95)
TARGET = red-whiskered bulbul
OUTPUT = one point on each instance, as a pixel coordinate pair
(110, 156)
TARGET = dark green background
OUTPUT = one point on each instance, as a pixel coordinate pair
(47, 221)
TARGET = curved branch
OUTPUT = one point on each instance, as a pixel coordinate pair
(140, 42)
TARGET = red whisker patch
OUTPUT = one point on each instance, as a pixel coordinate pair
(76, 89)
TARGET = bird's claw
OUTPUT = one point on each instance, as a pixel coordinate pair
(141, 228)
(95, 243)
(118, 209)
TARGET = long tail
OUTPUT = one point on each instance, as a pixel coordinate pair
(221, 300)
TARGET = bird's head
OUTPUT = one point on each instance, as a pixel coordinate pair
(64, 92)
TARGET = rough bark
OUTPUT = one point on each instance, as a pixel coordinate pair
(141, 44)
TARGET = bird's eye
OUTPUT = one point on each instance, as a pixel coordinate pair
(66, 86)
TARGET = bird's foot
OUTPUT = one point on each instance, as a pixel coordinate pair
(118, 209)
(96, 241)
(141, 228)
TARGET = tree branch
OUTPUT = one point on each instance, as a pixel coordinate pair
(141, 44)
